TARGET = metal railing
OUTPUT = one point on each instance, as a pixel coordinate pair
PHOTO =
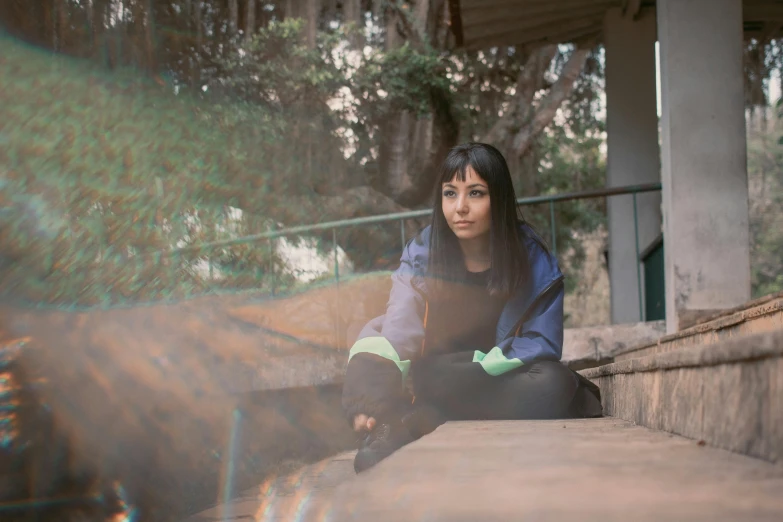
(334, 226)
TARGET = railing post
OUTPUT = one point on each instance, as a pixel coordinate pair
(638, 261)
(336, 263)
(402, 233)
(552, 226)
(272, 262)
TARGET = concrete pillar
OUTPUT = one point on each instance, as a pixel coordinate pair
(703, 158)
(633, 155)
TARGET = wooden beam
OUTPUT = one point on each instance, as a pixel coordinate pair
(468, 6)
(533, 17)
(763, 13)
(554, 33)
(531, 32)
(583, 38)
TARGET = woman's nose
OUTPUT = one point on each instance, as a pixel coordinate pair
(462, 205)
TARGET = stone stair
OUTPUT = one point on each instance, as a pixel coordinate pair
(693, 431)
(762, 315)
(728, 394)
(720, 381)
(588, 469)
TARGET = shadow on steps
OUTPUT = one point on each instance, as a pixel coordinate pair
(85, 445)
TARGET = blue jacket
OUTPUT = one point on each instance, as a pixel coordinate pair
(530, 326)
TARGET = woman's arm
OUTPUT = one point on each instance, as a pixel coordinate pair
(379, 360)
(540, 337)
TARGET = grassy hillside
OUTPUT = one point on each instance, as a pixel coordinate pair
(96, 166)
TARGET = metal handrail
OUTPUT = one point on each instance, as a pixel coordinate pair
(401, 216)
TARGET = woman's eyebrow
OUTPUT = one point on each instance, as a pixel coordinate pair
(474, 185)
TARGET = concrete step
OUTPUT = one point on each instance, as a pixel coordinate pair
(305, 493)
(762, 315)
(593, 346)
(729, 393)
(592, 469)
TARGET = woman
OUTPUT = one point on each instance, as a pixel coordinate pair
(474, 322)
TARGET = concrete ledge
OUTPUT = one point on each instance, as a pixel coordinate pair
(596, 345)
(729, 394)
(584, 469)
(750, 348)
(761, 315)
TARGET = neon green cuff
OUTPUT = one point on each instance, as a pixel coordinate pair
(381, 347)
(495, 362)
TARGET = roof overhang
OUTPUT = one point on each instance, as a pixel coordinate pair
(480, 24)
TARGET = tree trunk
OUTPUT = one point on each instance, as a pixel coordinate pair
(312, 10)
(61, 8)
(547, 108)
(250, 22)
(393, 39)
(529, 81)
(439, 22)
(233, 17)
(353, 14)
(393, 153)
(195, 56)
(90, 12)
(421, 12)
(411, 148)
(197, 7)
(515, 133)
(98, 28)
(525, 173)
(149, 35)
(50, 31)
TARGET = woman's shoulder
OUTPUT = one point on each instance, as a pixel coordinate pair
(417, 250)
(542, 262)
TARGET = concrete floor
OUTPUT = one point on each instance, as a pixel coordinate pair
(593, 469)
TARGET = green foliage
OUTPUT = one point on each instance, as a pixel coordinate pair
(570, 163)
(276, 70)
(99, 169)
(381, 84)
(765, 177)
(396, 80)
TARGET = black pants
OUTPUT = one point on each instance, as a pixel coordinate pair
(541, 390)
(461, 390)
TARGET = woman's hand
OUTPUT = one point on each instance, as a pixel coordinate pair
(363, 423)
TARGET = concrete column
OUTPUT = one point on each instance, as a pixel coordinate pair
(633, 155)
(703, 158)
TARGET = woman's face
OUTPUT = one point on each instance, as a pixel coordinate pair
(466, 206)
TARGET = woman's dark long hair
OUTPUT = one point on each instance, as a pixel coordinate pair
(507, 255)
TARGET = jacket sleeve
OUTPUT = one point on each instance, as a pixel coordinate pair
(539, 337)
(379, 360)
(404, 323)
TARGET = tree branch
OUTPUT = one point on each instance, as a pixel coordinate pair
(528, 81)
(547, 109)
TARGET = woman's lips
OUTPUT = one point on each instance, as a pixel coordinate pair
(463, 224)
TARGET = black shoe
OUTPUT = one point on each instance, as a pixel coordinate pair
(423, 419)
(384, 440)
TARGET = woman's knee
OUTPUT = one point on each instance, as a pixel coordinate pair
(546, 389)
(555, 377)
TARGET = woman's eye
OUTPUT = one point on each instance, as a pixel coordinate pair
(448, 193)
(477, 193)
